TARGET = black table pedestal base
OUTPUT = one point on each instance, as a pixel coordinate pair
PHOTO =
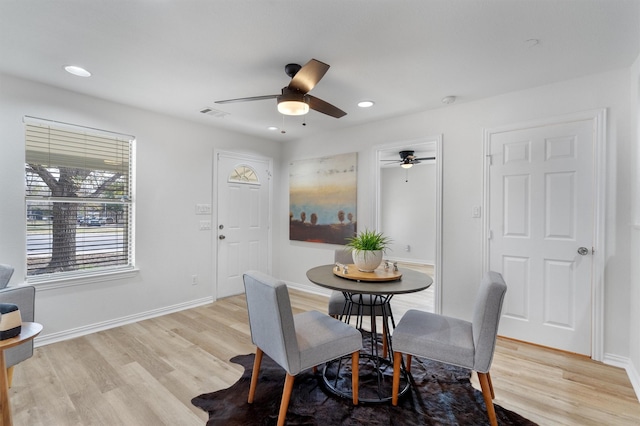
(375, 379)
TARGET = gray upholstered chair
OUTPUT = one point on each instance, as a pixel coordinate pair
(6, 272)
(454, 341)
(24, 298)
(362, 303)
(337, 305)
(295, 342)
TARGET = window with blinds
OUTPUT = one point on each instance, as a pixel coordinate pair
(78, 200)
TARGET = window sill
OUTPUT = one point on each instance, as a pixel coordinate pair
(71, 281)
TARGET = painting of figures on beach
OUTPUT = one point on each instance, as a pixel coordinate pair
(322, 199)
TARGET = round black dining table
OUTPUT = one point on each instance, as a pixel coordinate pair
(411, 281)
(376, 370)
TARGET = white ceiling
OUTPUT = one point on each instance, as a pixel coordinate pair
(179, 56)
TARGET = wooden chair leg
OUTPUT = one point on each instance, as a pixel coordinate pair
(488, 399)
(397, 365)
(408, 363)
(10, 375)
(286, 396)
(355, 381)
(493, 395)
(254, 374)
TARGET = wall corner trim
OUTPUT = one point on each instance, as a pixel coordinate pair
(632, 372)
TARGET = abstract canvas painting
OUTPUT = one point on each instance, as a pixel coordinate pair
(322, 199)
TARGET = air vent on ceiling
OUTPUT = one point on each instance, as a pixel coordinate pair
(214, 112)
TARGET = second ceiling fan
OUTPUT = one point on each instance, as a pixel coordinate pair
(407, 159)
(295, 98)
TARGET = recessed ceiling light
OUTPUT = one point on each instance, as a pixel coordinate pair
(365, 104)
(272, 128)
(79, 71)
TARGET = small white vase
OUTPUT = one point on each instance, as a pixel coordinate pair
(367, 260)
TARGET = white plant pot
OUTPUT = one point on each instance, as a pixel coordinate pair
(367, 261)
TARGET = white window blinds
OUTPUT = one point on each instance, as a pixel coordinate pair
(78, 199)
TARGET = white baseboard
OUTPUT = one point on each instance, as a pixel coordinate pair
(117, 322)
(412, 261)
(313, 289)
(632, 372)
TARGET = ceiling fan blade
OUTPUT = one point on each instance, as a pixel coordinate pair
(424, 158)
(324, 107)
(308, 76)
(253, 98)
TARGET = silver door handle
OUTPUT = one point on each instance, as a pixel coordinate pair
(221, 237)
(583, 251)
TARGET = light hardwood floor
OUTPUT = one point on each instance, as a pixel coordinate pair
(146, 374)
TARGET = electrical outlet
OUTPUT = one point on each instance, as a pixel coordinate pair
(194, 279)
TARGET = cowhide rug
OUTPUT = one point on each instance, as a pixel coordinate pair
(441, 395)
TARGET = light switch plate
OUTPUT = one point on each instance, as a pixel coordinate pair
(203, 208)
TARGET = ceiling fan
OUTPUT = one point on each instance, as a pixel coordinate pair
(295, 98)
(407, 159)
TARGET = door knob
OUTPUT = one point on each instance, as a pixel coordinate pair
(583, 251)
(221, 237)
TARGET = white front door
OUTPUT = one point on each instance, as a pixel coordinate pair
(541, 222)
(244, 219)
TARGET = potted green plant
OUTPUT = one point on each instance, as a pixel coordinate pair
(367, 248)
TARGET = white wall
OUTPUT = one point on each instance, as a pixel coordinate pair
(408, 212)
(462, 125)
(174, 173)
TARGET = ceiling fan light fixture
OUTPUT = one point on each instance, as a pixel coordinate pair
(293, 108)
(406, 163)
(292, 104)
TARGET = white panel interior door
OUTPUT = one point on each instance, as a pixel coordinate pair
(244, 220)
(541, 208)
